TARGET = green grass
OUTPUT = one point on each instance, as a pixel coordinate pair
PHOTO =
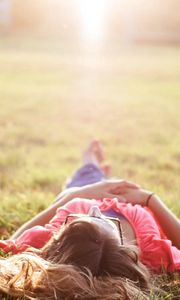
(55, 97)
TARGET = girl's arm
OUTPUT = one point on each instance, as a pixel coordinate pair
(46, 215)
(104, 189)
(167, 220)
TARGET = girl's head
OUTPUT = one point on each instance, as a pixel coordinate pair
(85, 261)
(94, 244)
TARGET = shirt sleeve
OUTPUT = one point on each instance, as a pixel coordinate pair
(75, 206)
(38, 236)
(11, 246)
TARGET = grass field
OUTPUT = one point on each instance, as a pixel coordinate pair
(54, 98)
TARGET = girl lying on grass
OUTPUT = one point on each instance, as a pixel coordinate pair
(100, 239)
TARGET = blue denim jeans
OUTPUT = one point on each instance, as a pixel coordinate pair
(87, 174)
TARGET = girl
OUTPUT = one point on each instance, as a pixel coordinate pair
(97, 240)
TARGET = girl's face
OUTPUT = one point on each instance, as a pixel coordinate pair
(105, 225)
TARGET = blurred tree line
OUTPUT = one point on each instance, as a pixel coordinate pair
(129, 19)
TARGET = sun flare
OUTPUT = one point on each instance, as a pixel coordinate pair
(93, 14)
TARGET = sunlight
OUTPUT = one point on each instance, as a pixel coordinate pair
(93, 14)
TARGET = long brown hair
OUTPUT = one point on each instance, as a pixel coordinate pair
(80, 263)
(84, 245)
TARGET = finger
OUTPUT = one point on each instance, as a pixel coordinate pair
(119, 197)
(131, 185)
(119, 183)
(120, 190)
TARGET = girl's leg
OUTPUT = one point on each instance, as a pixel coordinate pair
(87, 174)
(93, 169)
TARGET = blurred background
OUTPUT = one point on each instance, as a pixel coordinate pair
(127, 21)
(74, 70)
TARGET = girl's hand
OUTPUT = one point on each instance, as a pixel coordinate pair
(107, 189)
(137, 196)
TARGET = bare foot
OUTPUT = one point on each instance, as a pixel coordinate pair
(106, 169)
(95, 155)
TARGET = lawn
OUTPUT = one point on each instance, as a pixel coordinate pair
(55, 97)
